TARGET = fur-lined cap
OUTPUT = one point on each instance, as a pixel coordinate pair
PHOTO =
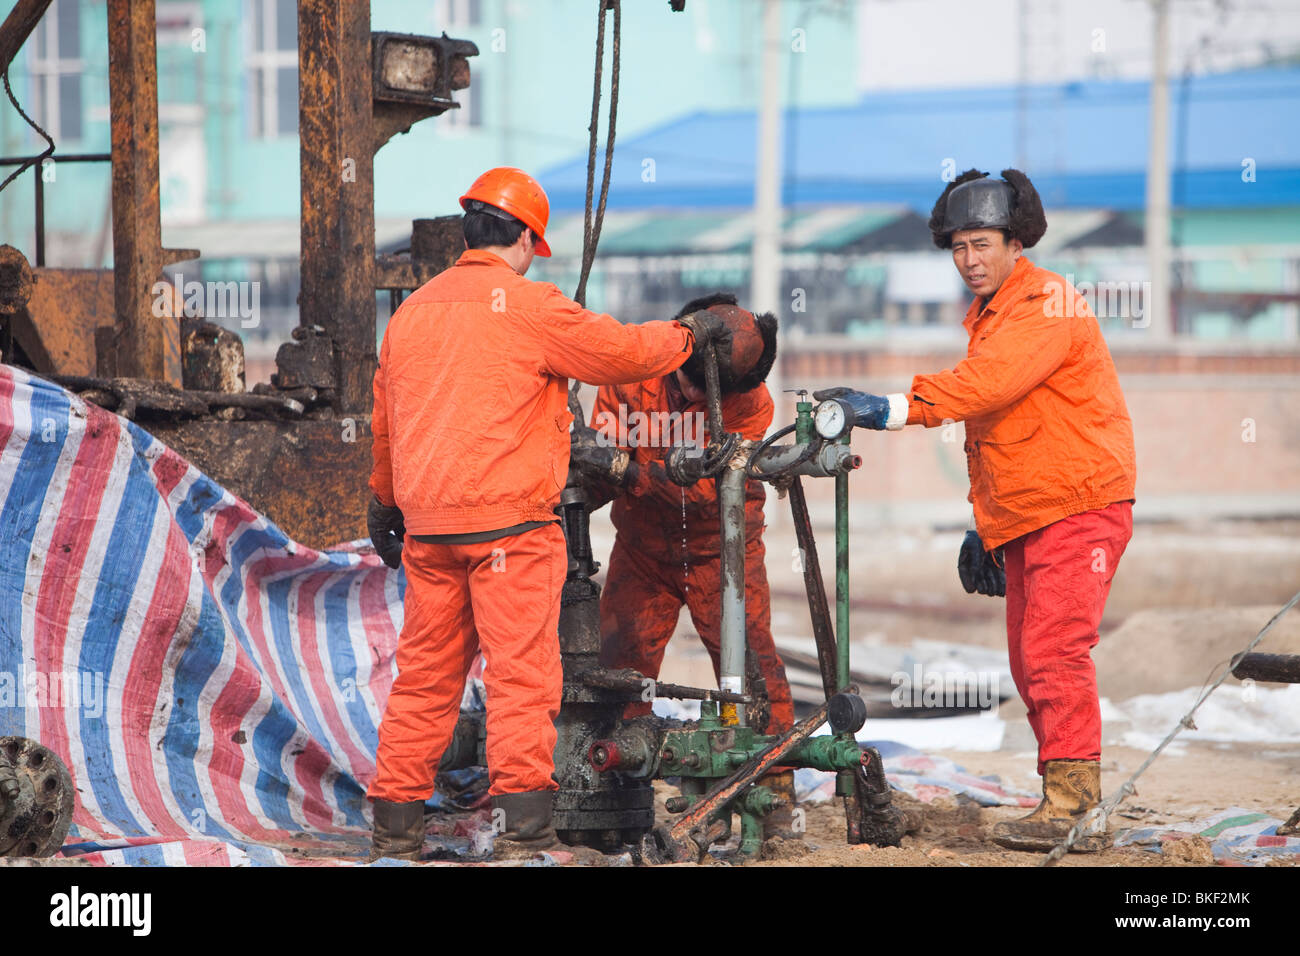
(1011, 204)
(753, 344)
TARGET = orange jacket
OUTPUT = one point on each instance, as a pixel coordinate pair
(650, 510)
(471, 421)
(1047, 432)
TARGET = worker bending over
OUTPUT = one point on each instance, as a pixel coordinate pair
(667, 550)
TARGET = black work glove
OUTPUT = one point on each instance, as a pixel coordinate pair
(593, 455)
(685, 465)
(709, 327)
(980, 570)
(387, 529)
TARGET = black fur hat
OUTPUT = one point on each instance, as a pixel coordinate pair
(756, 374)
(1026, 221)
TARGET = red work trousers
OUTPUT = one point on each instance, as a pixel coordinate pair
(641, 602)
(502, 596)
(1058, 578)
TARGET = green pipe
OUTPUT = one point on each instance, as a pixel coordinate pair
(842, 576)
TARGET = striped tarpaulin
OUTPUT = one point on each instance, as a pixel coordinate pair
(214, 687)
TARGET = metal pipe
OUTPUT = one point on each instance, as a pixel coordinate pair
(17, 27)
(1158, 314)
(731, 495)
(40, 214)
(713, 390)
(818, 607)
(830, 459)
(842, 577)
(61, 157)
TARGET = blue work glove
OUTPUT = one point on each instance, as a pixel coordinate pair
(877, 412)
(980, 570)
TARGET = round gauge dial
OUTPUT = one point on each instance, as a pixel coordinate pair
(830, 419)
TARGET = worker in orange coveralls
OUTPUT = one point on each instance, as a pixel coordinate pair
(667, 551)
(471, 451)
(1049, 447)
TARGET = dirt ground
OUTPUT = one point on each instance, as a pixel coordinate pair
(1185, 599)
(1174, 790)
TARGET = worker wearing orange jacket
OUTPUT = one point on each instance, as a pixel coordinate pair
(471, 451)
(667, 550)
(1049, 448)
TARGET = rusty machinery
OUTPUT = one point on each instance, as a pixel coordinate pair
(278, 447)
(297, 449)
(605, 765)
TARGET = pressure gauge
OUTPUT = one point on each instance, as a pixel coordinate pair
(831, 419)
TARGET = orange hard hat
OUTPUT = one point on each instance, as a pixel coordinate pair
(515, 192)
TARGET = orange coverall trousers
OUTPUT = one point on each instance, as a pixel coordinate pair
(500, 596)
(1058, 579)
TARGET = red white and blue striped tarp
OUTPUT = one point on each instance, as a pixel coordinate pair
(214, 687)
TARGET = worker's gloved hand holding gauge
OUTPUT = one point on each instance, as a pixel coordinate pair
(387, 530)
(843, 408)
(979, 570)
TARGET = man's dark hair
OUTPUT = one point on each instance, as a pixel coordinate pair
(486, 226)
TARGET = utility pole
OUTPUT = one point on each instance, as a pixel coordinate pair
(1157, 199)
(765, 277)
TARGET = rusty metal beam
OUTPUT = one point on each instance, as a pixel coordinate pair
(300, 474)
(436, 244)
(335, 133)
(62, 322)
(145, 345)
(18, 26)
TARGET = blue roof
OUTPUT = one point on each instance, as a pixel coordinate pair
(1086, 147)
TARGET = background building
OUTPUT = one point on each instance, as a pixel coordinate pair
(870, 130)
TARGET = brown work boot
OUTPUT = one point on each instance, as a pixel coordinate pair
(528, 831)
(398, 832)
(1070, 789)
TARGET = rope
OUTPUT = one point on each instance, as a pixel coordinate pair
(591, 225)
(34, 125)
(1103, 811)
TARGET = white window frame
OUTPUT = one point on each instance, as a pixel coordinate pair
(265, 58)
(467, 117)
(46, 68)
(456, 14)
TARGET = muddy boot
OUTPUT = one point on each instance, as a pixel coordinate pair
(399, 831)
(528, 830)
(526, 818)
(1070, 789)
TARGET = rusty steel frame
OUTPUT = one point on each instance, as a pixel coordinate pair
(18, 26)
(144, 345)
(336, 162)
(280, 466)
